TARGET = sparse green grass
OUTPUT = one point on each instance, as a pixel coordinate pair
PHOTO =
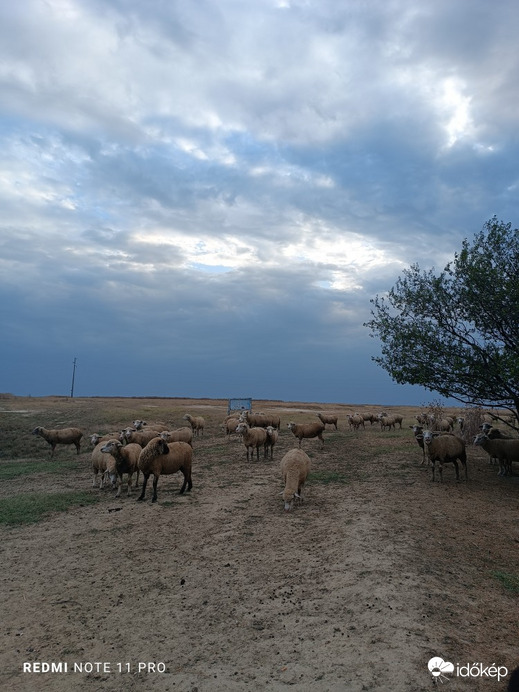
(32, 507)
(509, 581)
(328, 477)
(14, 469)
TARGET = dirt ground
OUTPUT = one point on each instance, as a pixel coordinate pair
(378, 571)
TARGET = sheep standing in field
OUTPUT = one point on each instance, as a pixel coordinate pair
(100, 461)
(295, 466)
(396, 418)
(230, 424)
(121, 459)
(139, 437)
(197, 424)
(328, 419)
(355, 420)
(260, 420)
(179, 435)
(505, 450)
(272, 438)
(61, 436)
(307, 431)
(386, 422)
(445, 449)
(253, 438)
(418, 436)
(160, 458)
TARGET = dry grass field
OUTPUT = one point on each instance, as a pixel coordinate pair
(219, 589)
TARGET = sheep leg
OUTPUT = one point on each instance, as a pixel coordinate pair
(144, 484)
(78, 446)
(457, 469)
(187, 482)
(130, 476)
(155, 481)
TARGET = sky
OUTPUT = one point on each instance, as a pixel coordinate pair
(201, 198)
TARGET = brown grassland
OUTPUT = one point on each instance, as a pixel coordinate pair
(378, 570)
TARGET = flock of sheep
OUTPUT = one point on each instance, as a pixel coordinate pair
(154, 450)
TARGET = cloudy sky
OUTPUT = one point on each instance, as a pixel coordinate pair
(201, 198)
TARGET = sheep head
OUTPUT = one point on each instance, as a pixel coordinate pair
(111, 446)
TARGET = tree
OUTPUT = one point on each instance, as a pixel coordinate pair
(457, 333)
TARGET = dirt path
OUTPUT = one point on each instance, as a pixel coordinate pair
(354, 590)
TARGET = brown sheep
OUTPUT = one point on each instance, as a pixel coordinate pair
(122, 459)
(61, 436)
(252, 438)
(328, 419)
(197, 424)
(295, 466)
(307, 430)
(160, 458)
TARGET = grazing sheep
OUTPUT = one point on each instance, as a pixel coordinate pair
(505, 450)
(61, 436)
(328, 419)
(140, 437)
(272, 438)
(252, 438)
(100, 461)
(178, 435)
(295, 466)
(160, 458)
(307, 430)
(355, 421)
(445, 449)
(121, 459)
(197, 424)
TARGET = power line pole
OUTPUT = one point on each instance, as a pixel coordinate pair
(73, 377)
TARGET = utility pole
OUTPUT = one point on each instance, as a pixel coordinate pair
(73, 377)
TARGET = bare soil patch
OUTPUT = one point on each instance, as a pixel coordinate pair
(356, 589)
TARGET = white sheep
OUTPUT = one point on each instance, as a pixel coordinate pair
(253, 438)
(505, 450)
(272, 438)
(307, 431)
(197, 424)
(328, 419)
(160, 458)
(445, 449)
(61, 436)
(295, 466)
(121, 459)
